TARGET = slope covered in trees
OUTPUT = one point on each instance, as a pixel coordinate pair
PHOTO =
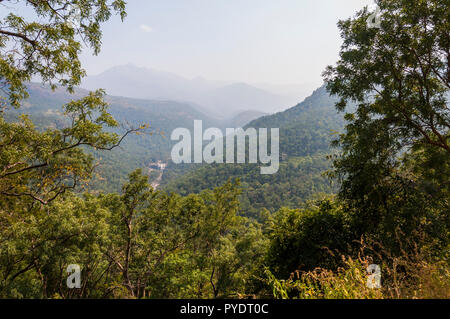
(44, 107)
(306, 131)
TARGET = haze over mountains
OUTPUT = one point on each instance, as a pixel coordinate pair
(219, 99)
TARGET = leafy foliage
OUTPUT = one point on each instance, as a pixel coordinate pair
(393, 168)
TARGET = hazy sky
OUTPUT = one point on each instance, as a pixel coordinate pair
(271, 41)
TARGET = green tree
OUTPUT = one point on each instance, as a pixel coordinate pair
(41, 164)
(164, 245)
(303, 239)
(35, 249)
(49, 46)
(394, 165)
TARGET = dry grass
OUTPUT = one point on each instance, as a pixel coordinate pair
(412, 274)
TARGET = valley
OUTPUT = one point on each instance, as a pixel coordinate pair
(305, 134)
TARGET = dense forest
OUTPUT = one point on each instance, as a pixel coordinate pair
(306, 131)
(363, 180)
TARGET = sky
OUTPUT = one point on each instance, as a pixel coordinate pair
(253, 41)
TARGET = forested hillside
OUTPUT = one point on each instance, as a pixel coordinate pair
(306, 131)
(136, 151)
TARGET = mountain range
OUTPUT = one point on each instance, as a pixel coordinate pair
(218, 99)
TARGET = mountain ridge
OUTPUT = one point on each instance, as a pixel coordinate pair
(219, 98)
(306, 131)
